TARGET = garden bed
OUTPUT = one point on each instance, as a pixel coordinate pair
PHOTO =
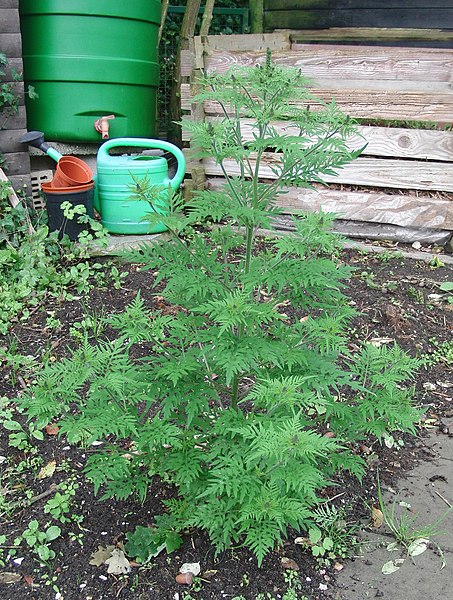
(398, 299)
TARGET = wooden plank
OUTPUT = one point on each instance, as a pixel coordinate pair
(11, 44)
(21, 182)
(16, 121)
(9, 4)
(376, 231)
(393, 142)
(376, 17)
(372, 172)
(9, 140)
(249, 42)
(13, 68)
(334, 62)
(364, 35)
(398, 209)
(273, 5)
(368, 104)
(16, 163)
(187, 62)
(412, 210)
(9, 20)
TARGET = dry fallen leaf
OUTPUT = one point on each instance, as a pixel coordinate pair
(10, 577)
(289, 563)
(391, 566)
(48, 470)
(102, 554)
(209, 574)
(377, 517)
(193, 568)
(118, 563)
(52, 429)
(418, 546)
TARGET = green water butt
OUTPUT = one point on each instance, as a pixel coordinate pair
(91, 60)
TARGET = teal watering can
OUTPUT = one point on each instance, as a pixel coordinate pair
(116, 175)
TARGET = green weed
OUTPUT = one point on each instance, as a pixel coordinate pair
(230, 404)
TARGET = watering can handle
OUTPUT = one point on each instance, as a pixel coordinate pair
(149, 143)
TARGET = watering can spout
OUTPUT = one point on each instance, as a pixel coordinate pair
(102, 125)
(36, 139)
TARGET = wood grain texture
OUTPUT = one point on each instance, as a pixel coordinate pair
(381, 141)
(17, 163)
(9, 4)
(339, 62)
(9, 140)
(375, 17)
(11, 44)
(412, 210)
(369, 104)
(376, 231)
(16, 121)
(252, 42)
(370, 172)
(407, 210)
(9, 20)
(366, 35)
(20, 182)
(353, 4)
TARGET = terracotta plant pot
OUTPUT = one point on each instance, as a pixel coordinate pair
(71, 171)
(49, 188)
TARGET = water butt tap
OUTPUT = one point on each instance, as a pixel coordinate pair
(102, 125)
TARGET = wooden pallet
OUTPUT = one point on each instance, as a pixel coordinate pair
(401, 187)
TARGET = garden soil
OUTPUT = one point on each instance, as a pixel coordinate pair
(396, 299)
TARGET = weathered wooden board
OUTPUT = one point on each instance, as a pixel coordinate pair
(392, 142)
(253, 42)
(369, 83)
(9, 21)
(355, 4)
(15, 121)
(371, 172)
(375, 35)
(374, 17)
(376, 231)
(368, 104)
(337, 62)
(17, 163)
(11, 44)
(9, 140)
(417, 210)
(19, 182)
(9, 3)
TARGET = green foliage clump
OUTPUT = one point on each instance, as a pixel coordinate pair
(35, 265)
(251, 364)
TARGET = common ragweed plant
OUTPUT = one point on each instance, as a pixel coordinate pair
(232, 404)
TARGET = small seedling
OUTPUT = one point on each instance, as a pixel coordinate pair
(443, 353)
(406, 530)
(39, 541)
(60, 505)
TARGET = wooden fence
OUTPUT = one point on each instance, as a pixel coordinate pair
(318, 14)
(15, 155)
(402, 186)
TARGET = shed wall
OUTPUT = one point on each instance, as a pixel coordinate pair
(320, 14)
(15, 155)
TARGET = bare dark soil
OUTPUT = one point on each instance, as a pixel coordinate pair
(398, 299)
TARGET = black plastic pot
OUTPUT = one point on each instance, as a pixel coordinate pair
(57, 220)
